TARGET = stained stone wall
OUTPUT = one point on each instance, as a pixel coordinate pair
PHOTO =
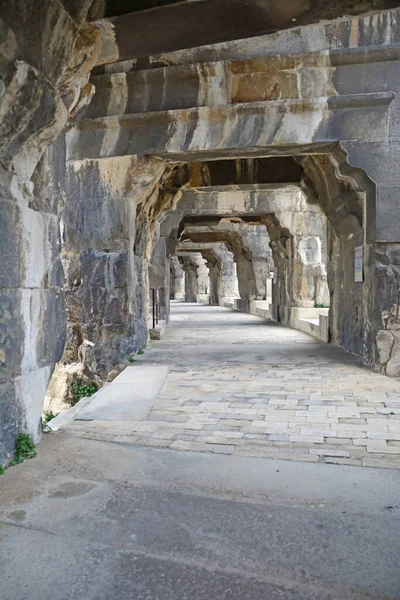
(98, 234)
(46, 55)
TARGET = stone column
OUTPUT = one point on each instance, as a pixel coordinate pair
(179, 279)
(310, 285)
(229, 281)
(215, 276)
(246, 279)
(256, 239)
(159, 275)
(298, 242)
(203, 282)
(190, 270)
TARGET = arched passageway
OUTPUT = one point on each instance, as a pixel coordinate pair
(99, 147)
(241, 156)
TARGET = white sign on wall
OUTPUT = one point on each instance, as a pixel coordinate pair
(358, 264)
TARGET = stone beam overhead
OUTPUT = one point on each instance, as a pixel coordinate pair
(304, 76)
(243, 200)
(192, 24)
(189, 24)
(236, 200)
(170, 222)
(207, 109)
(208, 251)
(188, 246)
(376, 29)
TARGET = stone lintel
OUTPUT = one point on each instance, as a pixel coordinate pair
(221, 129)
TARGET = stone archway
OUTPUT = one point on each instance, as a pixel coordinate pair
(311, 93)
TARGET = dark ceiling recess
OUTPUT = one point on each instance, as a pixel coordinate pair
(283, 169)
(122, 7)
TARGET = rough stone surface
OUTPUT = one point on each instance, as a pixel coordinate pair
(384, 342)
(393, 366)
(91, 166)
(42, 75)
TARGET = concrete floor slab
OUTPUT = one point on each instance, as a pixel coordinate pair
(99, 521)
(130, 396)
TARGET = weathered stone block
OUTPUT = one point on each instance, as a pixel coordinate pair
(11, 334)
(109, 305)
(52, 327)
(384, 342)
(10, 421)
(106, 270)
(393, 366)
(10, 245)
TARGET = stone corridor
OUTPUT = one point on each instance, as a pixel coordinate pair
(243, 386)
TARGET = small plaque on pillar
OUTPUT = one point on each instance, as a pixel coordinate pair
(358, 264)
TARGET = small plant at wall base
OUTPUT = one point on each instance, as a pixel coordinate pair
(316, 305)
(47, 416)
(25, 448)
(132, 359)
(80, 391)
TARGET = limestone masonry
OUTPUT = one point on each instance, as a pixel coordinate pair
(179, 154)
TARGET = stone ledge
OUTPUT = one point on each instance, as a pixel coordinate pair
(158, 332)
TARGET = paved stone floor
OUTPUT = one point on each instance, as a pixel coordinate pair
(243, 386)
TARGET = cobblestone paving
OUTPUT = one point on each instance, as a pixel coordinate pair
(238, 385)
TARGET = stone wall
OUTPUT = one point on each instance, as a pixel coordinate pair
(46, 54)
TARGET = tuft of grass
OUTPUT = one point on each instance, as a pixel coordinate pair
(132, 359)
(47, 416)
(316, 305)
(80, 391)
(25, 448)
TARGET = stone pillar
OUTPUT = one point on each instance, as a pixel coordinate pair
(310, 285)
(298, 242)
(246, 278)
(190, 270)
(171, 281)
(256, 239)
(203, 282)
(159, 275)
(179, 279)
(215, 276)
(229, 282)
